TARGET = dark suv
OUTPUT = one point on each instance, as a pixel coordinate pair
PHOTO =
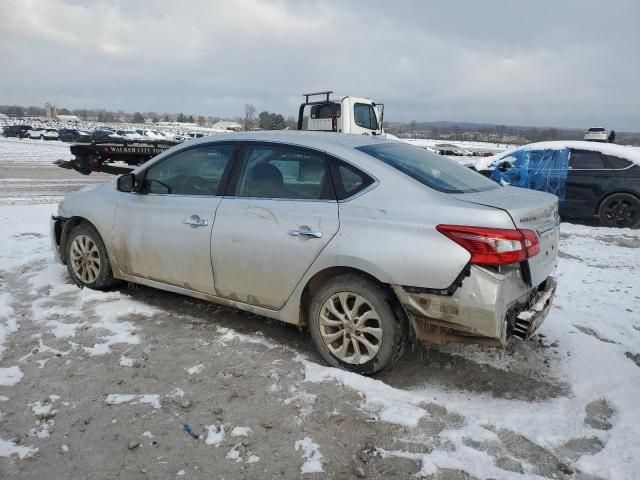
(591, 179)
(18, 131)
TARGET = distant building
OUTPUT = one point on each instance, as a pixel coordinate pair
(68, 118)
(224, 125)
(50, 111)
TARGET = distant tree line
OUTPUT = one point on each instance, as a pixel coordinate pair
(451, 132)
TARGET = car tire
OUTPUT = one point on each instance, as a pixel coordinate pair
(620, 210)
(87, 259)
(354, 325)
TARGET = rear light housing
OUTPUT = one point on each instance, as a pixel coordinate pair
(493, 246)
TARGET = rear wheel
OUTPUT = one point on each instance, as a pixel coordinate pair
(354, 326)
(87, 259)
(620, 210)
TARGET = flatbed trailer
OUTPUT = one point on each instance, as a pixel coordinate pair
(114, 156)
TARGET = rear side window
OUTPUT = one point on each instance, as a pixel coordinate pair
(617, 162)
(365, 116)
(277, 171)
(430, 169)
(586, 160)
(326, 110)
(347, 179)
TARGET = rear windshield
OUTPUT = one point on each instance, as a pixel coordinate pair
(430, 169)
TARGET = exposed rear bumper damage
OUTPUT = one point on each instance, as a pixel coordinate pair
(489, 308)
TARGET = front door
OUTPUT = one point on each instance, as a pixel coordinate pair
(163, 232)
(279, 215)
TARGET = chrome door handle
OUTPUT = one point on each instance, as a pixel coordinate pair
(195, 221)
(304, 232)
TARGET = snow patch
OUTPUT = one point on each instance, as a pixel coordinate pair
(176, 392)
(215, 435)
(234, 453)
(126, 361)
(380, 400)
(228, 335)
(8, 448)
(10, 376)
(241, 432)
(311, 455)
(196, 369)
(118, 398)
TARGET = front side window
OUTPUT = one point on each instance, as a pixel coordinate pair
(365, 116)
(196, 171)
(586, 160)
(432, 170)
(275, 171)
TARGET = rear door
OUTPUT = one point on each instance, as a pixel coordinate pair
(588, 179)
(163, 232)
(279, 213)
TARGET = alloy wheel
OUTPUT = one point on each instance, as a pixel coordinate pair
(85, 259)
(350, 328)
(620, 212)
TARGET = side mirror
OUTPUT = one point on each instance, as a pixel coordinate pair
(504, 166)
(125, 183)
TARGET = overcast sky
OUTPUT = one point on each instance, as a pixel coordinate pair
(543, 62)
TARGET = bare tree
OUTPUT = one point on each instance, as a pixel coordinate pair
(249, 115)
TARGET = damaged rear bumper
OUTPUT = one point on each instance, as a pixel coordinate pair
(490, 307)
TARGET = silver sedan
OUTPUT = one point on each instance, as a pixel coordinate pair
(367, 242)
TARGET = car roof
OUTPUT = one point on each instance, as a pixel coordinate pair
(318, 140)
(630, 153)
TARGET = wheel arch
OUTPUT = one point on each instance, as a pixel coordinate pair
(68, 226)
(322, 276)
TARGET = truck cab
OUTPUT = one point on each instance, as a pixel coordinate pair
(356, 115)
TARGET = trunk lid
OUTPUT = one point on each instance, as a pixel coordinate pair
(530, 210)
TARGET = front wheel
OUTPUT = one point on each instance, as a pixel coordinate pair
(87, 259)
(354, 326)
(620, 210)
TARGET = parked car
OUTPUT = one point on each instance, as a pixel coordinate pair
(366, 242)
(42, 133)
(72, 135)
(18, 131)
(102, 136)
(599, 134)
(593, 180)
(129, 134)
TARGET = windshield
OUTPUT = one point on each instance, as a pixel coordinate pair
(432, 170)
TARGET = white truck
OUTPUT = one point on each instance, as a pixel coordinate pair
(357, 115)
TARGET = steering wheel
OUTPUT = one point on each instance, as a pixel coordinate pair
(195, 185)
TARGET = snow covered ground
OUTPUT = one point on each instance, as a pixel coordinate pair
(27, 175)
(138, 383)
(463, 144)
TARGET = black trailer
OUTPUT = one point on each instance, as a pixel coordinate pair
(115, 156)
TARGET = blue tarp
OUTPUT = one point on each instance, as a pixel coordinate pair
(544, 170)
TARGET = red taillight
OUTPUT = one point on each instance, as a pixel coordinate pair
(493, 246)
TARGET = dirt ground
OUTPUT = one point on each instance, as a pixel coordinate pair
(110, 380)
